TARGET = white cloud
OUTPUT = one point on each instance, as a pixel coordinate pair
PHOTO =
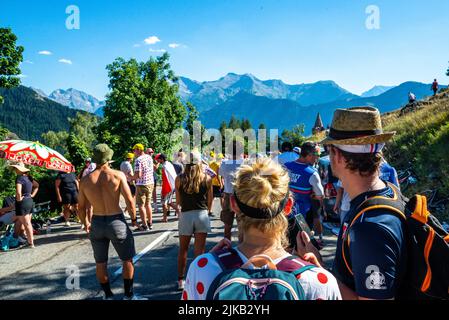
(45, 53)
(174, 45)
(66, 61)
(152, 40)
(29, 62)
(137, 45)
(158, 50)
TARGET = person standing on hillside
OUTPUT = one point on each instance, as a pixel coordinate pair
(143, 175)
(411, 97)
(435, 87)
(102, 190)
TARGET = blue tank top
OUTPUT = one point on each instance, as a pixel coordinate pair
(300, 186)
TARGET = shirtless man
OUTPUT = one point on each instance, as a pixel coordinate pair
(102, 189)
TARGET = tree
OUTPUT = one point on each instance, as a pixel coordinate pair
(3, 133)
(294, 136)
(56, 140)
(81, 138)
(77, 151)
(143, 105)
(83, 126)
(447, 72)
(246, 125)
(234, 123)
(10, 59)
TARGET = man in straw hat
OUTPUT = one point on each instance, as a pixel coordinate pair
(102, 189)
(372, 261)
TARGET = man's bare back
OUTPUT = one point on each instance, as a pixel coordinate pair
(102, 189)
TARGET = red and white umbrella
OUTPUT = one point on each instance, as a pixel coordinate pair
(34, 154)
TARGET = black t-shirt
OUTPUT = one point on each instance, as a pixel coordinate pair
(68, 182)
(377, 250)
(27, 185)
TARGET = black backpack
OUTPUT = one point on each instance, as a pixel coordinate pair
(427, 270)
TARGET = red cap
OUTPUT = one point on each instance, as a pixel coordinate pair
(157, 156)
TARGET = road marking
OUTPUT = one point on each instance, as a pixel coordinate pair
(151, 246)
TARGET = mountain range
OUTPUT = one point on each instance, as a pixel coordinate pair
(74, 99)
(209, 94)
(272, 102)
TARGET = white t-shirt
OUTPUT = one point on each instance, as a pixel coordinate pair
(144, 164)
(345, 200)
(91, 168)
(227, 170)
(318, 284)
(285, 157)
(127, 169)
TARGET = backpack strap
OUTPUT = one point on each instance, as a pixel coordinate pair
(294, 265)
(228, 259)
(395, 206)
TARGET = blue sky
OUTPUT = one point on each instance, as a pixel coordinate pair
(296, 41)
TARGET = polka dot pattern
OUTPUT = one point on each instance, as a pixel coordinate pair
(202, 262)
(322, 278)
(200, 287)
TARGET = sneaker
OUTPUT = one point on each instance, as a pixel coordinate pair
(141, 228)
(111, 298)
(67, 224)
(134, 297)
(181, 285)
(211, 214)
(150, 226)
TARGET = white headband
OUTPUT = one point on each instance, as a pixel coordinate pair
(364, 148)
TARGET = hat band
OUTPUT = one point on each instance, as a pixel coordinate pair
(343, 135)
(261, 213)
(364, 148)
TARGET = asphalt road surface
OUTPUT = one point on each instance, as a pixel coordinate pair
(61, 267)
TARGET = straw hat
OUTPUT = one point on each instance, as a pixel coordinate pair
(357, 126)
(20, 166)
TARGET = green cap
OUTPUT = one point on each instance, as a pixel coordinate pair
(102, 154)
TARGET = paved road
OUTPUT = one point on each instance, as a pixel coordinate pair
(42, 273)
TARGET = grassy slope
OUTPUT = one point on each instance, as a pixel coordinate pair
(423, 139)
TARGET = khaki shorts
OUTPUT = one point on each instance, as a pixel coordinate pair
(227, 215)
(144, 194)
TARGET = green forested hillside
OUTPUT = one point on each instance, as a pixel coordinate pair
(29, 115)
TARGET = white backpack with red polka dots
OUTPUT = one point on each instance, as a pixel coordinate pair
(273, 282)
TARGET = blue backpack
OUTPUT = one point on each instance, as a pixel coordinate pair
(237, 282)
